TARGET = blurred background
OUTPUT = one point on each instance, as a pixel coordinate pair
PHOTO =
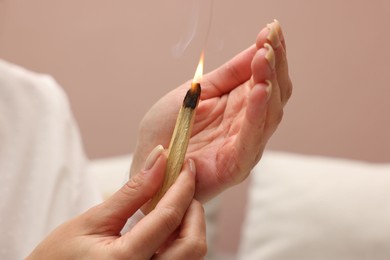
(116, 58)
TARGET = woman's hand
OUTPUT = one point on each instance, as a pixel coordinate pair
(175, 229)
(241, 106)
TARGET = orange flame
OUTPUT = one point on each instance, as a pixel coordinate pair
(199, 70)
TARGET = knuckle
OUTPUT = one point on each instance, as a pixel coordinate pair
(198, 248)
(198, 205)
(135, 181)
(191, 188)
(171, 218)
(188, 187)
(134, 186)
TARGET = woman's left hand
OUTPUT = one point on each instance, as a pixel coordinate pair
(241, 106)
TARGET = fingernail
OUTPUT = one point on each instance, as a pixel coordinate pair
(192, 166)
(273, 35)
(270, 55)
(278, 29)
(153, 156)
(268, 89)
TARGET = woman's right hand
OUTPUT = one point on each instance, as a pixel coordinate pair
(175, 229)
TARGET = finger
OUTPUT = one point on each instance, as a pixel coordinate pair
(230, 75)
(284, 80)
(194, 223)
(153, 230)
(191, 243)
(264, 35)
(137, 191)
(283, 77)
(263, 65)
(262, 115)
(250, 139)
(264, 71)
(274, 111)
(280, 34)
(273, 35)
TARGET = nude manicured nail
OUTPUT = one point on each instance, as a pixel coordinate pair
(192, 166)
(278, 28)
(273, 35)
(270, 55)
(153, 156)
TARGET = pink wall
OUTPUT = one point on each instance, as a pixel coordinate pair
(114, 60)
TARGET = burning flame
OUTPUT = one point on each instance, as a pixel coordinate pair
(199, 70)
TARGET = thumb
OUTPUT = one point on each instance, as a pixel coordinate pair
(136, 192)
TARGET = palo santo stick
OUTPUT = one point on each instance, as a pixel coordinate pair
(179, 142)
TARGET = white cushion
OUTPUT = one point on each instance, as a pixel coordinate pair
(110, 173)
(303, 207)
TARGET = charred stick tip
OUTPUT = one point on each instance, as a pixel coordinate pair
(192, 97)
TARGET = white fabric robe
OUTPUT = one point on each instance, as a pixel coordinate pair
(43, 181)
